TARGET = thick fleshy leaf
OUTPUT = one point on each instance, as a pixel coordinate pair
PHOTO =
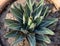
(18, 7)
(43, 44)
(37, 13)
(17, 14)
(25, 19)
(11, 34)
(43, 38)
(48, 22)
(38, 20)
(12, 24)
(41, 2)
(45, 10)
(38, 10)
(24, 31)
(32, 26)
(19, 38)
(31, 39)
(30, 3)
(44, 30)
(30, 20)
(26, 14)
(44, 14)
(27, 10)
(34, 6)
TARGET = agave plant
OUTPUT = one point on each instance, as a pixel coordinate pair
(31, 23)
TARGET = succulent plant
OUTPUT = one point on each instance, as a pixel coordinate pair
(31, 23)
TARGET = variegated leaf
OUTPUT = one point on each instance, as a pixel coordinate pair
(31, 40)
(43, 38)
(44, 31)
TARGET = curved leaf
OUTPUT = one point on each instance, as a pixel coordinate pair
(32, 26)
(44, 30)
(38, 10)
(24, 31)
(30, 20)
(27, 10)
(25, 19)
(43, 38)
(44, 14)
(17, 14)
(19, 38)
(26, 16)
(12, 24)
(30, 3)
(31, 40)
(34, 6)
(18, 7)
(43, 44)
(11, 34)
(48, 22)
(41, 2)
(38, 20)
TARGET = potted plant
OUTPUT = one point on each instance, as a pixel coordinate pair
(31, 24)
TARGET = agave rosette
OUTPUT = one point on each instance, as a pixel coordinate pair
(31, 23)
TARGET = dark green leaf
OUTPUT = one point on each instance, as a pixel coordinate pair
(25, 19)
(17, 14)
(31, 39)
(24, 31)
(34, 6)
(36, 13)
(38, 10)
(11, 34)
(12, 24)
(44, 30)
(30, 4)
(43, 38)
(38, 20)
(40, 3)
(43, 44)
(18, 7)
(19, 38)
(44, 14)
(48, 22)
(26, 15)
(27, 10)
